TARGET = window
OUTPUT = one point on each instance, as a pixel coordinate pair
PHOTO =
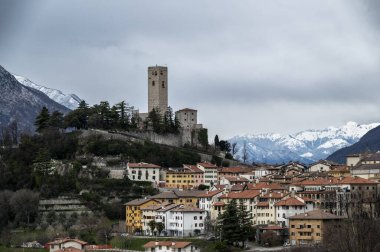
(292, 226)
(195, 217)
(195, 225)
(153, 83)
(163, 84)
(318, 226)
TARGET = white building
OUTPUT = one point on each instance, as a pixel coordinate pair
(289, 206)
(144, 172)
(208, 198)
(63, 243)
(182, 220)
(210, 173)
(322, 166)
(261, 172)
(168, 246)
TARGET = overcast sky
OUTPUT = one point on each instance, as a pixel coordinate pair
(246, 66)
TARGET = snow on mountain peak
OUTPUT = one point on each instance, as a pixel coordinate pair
(70, 101)
(305, 146)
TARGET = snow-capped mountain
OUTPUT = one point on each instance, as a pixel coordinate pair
(21, 104)
(306, 146)
(70, 101)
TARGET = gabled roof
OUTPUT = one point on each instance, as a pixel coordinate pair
(65, 240)
(155, 207)
(237, 187)
(248, 194)
(193, 168)
(142, 165)
(290, 202)
(153, 244)
(209, 194)
(315, 215)
(138, 202)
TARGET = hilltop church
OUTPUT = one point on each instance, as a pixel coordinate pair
(158, 99)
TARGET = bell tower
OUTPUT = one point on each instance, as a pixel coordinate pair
(158, 88)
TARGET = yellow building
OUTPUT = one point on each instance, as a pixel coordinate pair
(186, 178)
(307, 228)
(134, 213)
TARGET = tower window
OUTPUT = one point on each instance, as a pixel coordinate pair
(161, 72)
(153, 83)
(155, 72)
(163, 84)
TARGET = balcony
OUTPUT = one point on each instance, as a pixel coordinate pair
(308, 230)
(304, 237)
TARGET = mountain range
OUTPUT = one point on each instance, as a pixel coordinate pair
(21, 103)
(306, 146)
(70, 101)
(370, 142)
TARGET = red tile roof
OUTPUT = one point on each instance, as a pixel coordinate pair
(315, 215)
(247, 194)
(290, 202)
(209, 194)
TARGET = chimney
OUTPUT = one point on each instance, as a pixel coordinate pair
(173, 244)
(156, 243)
(306, 214)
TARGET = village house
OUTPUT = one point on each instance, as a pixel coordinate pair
(188, 177)
(149, 213)
(208, 198)
(233, 171)
(307, 228)
(322, 166)
(291, 205)
(66, 243)
(210, 173)
(182, 220)
(168, 246)
(134, 215)
(264, 209)
(367, 167)
(144, 172)
(229, 181)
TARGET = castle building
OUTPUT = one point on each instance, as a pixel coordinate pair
(158, 88)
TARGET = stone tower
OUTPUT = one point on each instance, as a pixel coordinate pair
(158, 88)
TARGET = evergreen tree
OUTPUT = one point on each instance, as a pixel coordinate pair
(56, 120)
(42, 120)
(245, 223)
(228, 224)
(216, 141)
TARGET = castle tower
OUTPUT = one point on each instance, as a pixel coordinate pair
(158, 88)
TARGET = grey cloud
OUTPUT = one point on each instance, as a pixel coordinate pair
(280, 58)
